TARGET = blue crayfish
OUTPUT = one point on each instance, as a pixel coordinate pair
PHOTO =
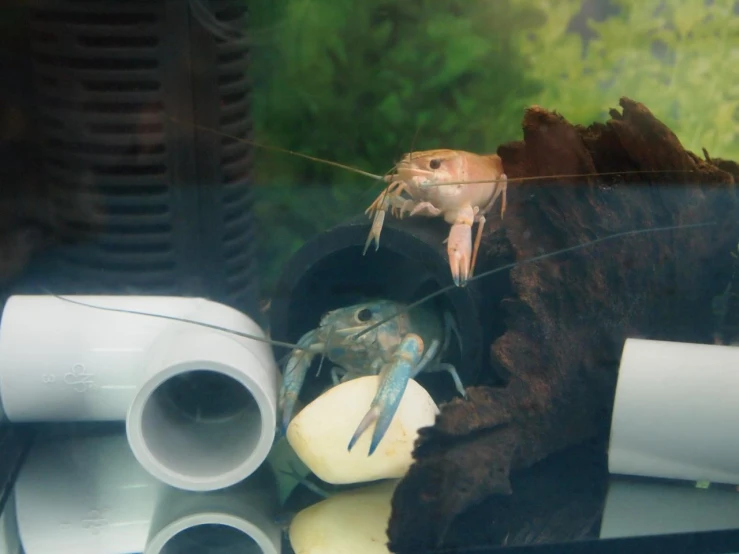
(397, 350)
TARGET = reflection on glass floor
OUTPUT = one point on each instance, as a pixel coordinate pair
(637, 507)
(89, 495)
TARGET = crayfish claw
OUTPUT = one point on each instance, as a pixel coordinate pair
(371, 416)
(294, 376)
(393, 382)
(458, 250)
(459, 246)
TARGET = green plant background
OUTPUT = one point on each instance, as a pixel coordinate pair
(362, 81)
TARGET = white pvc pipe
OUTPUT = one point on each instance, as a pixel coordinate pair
(9, 540)
(199, 404)
(634, 508)
(676, 412)
(89, 495)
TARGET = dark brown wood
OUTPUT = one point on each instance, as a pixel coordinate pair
(569, 315)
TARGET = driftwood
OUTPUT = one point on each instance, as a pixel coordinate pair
(569, 314)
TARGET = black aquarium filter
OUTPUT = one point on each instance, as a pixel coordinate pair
(134, 98)
(330, 271)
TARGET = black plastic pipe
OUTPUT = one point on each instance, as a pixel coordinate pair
(329, 271)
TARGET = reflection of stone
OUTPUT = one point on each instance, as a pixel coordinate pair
(353, 521)
(320, 433)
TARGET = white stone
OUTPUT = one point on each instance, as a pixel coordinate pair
(353, 521)
(320, 433)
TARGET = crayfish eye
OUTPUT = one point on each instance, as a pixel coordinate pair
(435, 163)
(364, 314)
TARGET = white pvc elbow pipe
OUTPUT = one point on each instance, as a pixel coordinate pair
(199, 404)
(86, 495)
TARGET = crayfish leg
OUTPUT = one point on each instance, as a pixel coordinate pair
(476, 247)
(294, 376)
(393, 382)
(503, 187)
(303, 480)
(452, 371)
(427, 358)
(426, 365)
(388, 198)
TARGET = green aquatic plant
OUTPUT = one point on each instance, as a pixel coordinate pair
(363, 82)
(679, 58)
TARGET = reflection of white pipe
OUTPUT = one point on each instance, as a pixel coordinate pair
(241, 518)
(9, 541)
(634, 508)
(90, 496)
(676, 412)
(199, 404)
(84, 496)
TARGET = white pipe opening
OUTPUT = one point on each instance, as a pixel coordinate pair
(199, 404)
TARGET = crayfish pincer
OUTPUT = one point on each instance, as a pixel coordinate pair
(397, 350)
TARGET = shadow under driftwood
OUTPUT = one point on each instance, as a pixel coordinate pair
(569, 315)
(559, 499)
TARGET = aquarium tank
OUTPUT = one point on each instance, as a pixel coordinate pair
(369, 276)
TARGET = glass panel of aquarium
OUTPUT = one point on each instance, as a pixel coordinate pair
(369, 276)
